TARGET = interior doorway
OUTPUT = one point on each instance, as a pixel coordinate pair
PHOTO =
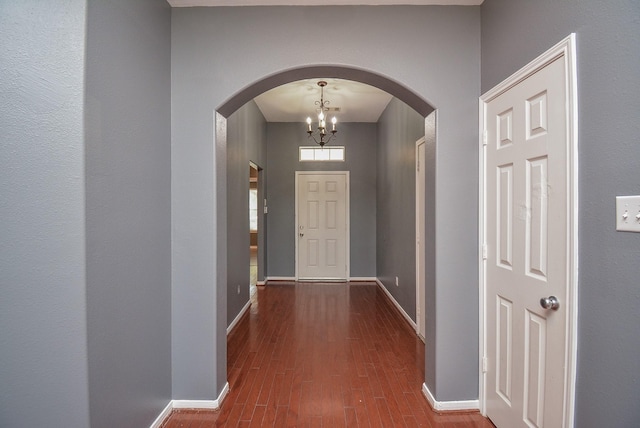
(242, 97)
(254, 225)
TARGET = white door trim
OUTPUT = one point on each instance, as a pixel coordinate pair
(566, 48)
(420, 316)
(347, 217)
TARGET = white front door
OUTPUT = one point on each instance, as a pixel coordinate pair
(322, 231)
(528, 250)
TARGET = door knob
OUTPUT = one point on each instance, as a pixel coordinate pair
(301, 235)
(550, 302)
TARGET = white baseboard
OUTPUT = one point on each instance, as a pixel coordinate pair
(261, 283)
(444, 406)
(191, 404)
(280, 278)
(235, 321)
(406, 316)
(196, 404)
(162, 416)
(363, 278)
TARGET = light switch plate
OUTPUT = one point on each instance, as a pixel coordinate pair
(628, 213)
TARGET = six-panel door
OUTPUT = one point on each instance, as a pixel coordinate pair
(322, 231)
(527, 247)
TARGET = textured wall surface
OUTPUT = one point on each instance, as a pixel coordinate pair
(398, 130)
(128, 211)
(359, 140)
(513, 33)
(432, 51)
(246, 142)
(43, 338)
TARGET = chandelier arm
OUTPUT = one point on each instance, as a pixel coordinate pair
(321, 129)
(333, 134)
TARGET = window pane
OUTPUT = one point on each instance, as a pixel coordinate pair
(322, 154)
(306, 153)
(337, 154)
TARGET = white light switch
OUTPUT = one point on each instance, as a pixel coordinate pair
(628, 213)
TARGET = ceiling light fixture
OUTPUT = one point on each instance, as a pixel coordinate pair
(322, 128)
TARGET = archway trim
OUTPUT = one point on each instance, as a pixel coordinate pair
(384, 83)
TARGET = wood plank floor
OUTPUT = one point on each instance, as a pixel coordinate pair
(324, 355)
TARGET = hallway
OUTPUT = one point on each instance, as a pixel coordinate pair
(324, 354)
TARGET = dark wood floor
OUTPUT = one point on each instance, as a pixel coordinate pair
(324, 355)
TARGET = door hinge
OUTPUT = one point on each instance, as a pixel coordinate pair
(418, 165)
(484, 138)
(484, 364)
(484, 251)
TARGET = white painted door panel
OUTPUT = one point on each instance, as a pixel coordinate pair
(322, 226)
(526, 217)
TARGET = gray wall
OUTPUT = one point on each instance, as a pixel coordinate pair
(246, 141)
(128, 211)
(86, 251)
(43, 341)
(433, 51)
(399, 128)
(359, 140)
(431, 310)
(515, 32)
(213, 57)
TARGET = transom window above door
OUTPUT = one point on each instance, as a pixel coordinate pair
(322, 154)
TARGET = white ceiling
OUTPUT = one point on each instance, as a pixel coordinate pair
(190, 3)
(295, 101)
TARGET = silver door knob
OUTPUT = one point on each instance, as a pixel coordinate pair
(550, 302)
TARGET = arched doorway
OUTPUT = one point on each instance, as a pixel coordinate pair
(395, 89)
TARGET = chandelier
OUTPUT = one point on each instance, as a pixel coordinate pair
(321, 131)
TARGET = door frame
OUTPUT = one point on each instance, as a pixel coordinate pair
(261, 222)
(347, 218)
(420, 288)
(566, 48)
